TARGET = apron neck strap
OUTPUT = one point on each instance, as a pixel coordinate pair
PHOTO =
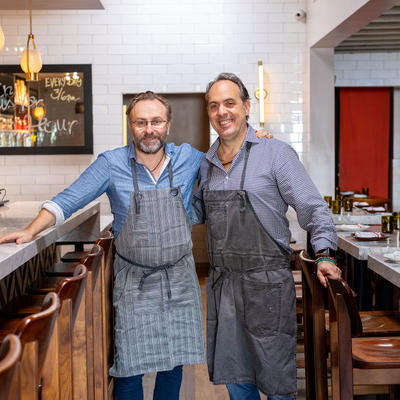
(136, 185)
(171, 175)
(246, 159)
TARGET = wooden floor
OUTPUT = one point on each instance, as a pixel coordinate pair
(196, 384)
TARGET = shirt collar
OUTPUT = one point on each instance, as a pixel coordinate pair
(168, 149)
(250, 137)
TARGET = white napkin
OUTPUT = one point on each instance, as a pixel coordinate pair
(395, 256)
(360, 203)
(375, 209)
(368, 235)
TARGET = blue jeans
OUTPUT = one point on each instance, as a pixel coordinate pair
(247, 391)
(167, 387)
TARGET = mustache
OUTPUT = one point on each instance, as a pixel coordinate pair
(151, 136)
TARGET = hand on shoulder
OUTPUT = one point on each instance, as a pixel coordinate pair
(261, 133)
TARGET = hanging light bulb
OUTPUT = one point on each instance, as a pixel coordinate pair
(31, 61)
(1, 39)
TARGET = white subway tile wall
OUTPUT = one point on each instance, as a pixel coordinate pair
(166, 46)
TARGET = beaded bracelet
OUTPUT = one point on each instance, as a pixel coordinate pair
(325, 258)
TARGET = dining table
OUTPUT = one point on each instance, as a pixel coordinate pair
(356, 253)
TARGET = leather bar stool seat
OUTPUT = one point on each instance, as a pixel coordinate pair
(358, 360)
(34, 332)
(77, 256)
(10, 355)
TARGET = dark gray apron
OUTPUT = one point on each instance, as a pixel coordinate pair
(158, 314)
(251, 299)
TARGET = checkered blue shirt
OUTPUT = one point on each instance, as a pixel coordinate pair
(275, 178)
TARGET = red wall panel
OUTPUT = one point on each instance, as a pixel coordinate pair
(364, 139)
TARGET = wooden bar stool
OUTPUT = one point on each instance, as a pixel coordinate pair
(316, 327)
(91, 314)
(71, 339)
(34, 331)
(58, 372)
(76, 256)
(10, 355)
(358, 360)
(99, 313)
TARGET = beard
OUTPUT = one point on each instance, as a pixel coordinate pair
(156, 144)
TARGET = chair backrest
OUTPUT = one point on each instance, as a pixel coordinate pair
(339, 290)
(106, 243)
(315, 347)
(39, 326)
(10, 355)
(72, 288)
(344, 322)
(92, 261)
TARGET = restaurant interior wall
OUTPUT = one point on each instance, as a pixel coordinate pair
(169, 46)
(376, 69)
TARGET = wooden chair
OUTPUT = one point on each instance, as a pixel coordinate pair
(10, 355)
(316, 326)
(34, 331)
(99, 325)
(58, 373)
(77, 256)
(358, 360)
(70, 347)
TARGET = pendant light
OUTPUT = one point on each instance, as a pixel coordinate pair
(1, 39)
(31, 62)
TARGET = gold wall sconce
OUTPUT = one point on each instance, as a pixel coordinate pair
(261, 93)
(124, 128)
(31, 61)
(2, 39)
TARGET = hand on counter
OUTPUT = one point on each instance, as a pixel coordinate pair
(44, 220)
(19, 237)
(327, 269)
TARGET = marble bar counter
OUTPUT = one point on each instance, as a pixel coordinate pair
(17, 215)
(357, 216)
(386, 269)
(361, 249)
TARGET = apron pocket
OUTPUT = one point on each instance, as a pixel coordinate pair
(262, 307)
(217, 228)
(184, 286)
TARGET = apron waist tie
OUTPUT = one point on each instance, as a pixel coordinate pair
(158, 268)
(153, 271)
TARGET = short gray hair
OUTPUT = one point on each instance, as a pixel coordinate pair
(149, 95)
(227, 76)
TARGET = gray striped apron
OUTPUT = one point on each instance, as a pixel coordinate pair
(158, 313)
(251, 299)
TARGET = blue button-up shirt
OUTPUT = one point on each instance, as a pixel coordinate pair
(111, 174)
(275, 178)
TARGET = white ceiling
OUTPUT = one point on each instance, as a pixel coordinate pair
(51, 5)
(381, 34)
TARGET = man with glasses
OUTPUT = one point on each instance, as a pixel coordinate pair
(246, 185)
(158, 325)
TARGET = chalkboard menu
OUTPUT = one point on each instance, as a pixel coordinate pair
(50, 116)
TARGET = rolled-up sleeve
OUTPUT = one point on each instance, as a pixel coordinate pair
(92, 183)
(298, 190)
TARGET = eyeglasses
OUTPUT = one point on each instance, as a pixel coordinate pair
(155, 123)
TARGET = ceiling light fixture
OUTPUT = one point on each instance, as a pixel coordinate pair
(31, 61)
